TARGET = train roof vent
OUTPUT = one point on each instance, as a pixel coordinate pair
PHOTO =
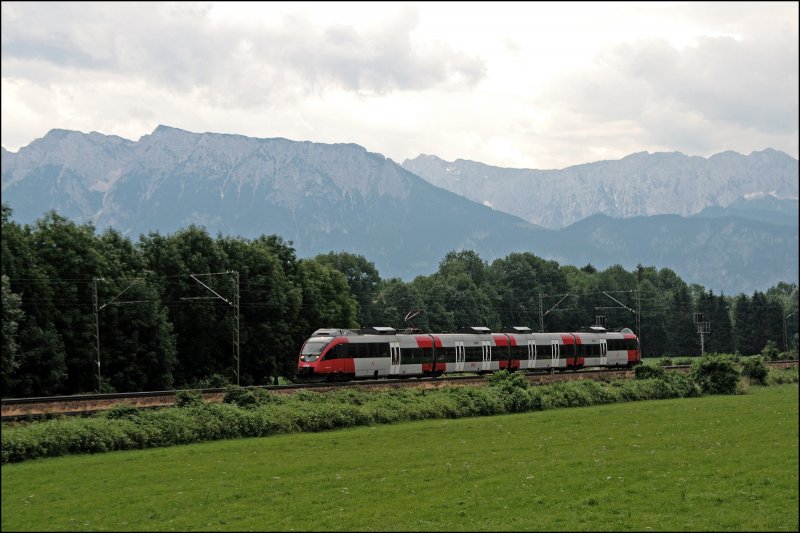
(329, 332)
(595, 329)
(474, 329)
(379, 330)
(517, 329)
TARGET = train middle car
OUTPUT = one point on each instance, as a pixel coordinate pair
(341, 354)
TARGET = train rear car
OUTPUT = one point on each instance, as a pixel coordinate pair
(623, 348)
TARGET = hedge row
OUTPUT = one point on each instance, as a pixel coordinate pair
(256, 413)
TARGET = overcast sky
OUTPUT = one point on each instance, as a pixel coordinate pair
(529, 85)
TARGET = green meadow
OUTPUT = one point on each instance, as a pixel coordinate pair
(713, 463)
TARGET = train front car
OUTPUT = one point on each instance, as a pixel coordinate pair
(374, 352)
(318, 359)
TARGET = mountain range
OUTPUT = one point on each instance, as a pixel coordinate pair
(728, 222)
(640, 184)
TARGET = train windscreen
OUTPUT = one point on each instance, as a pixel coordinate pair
(311, 350)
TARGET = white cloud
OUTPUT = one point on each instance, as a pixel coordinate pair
(542, 85)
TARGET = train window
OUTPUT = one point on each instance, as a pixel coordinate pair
(473, 353)
(355, 350)
(416, 356)
(622, 344)
(544, 351)
(313, 348)
(519, 352)
(447, 355)
(381, 349)
(334, 352)
(588, 350)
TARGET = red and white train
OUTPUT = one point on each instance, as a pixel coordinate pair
(342, 354)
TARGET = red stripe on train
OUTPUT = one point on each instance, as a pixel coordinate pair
(424, 342)
(501, 340)
(333, 366)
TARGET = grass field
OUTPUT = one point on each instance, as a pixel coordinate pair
(701, 464)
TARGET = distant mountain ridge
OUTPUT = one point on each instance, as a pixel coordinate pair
(640, 184)
(332, 197)
(763, 207)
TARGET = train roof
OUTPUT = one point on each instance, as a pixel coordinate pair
(476, 330)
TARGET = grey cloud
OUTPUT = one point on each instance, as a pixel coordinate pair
(722, 79)
(721, 82)
(180, 48)
(380, 61)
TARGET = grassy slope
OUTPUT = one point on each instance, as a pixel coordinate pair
(712, 463)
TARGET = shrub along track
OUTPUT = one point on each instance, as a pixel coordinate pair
(18, 408)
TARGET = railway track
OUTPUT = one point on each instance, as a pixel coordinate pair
(21, 408)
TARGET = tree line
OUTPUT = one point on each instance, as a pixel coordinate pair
(177, 311)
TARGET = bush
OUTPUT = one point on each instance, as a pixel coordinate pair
(476, 401)
(567, 394)
(507, 380)
(715, 374)
(755, 370)
(771, 352)
(188, 398)
(682, 386)
(780, 376)
(649, 372)
(240, 396)
(512, 388)
(121, 410)
(266, 397)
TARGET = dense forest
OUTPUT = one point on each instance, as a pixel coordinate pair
(83, 311)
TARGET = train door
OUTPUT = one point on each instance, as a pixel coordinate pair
(555, 347)
(394, 348)
(603, 353)
(531, 353)
(486, 361)
(460, 357)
